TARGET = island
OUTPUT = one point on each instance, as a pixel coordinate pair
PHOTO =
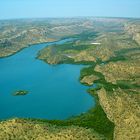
(20, 92)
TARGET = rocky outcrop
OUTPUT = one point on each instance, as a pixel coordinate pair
(134, 30)
(88, 80)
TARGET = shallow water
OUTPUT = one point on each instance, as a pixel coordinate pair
(54, 91)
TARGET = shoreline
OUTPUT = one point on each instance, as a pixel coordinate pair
(87, 115)
(27, 46)
(90, 119)
(30, 45)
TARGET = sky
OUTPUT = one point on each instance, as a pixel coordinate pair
(10, 9)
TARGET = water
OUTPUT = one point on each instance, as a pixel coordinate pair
(54, 91)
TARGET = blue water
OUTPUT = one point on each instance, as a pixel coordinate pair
(54, 91)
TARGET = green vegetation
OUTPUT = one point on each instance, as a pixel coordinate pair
(101, 82)
(86, 71)
(68, 53)
(125, 84)
(84, 36)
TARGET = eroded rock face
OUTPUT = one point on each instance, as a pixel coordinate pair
(134, 30)
(123, 109)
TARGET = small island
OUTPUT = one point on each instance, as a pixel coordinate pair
(20, 92)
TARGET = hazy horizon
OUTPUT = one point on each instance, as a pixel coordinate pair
(23, 9)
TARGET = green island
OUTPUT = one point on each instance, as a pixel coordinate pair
(20, 92)
(110, 50)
